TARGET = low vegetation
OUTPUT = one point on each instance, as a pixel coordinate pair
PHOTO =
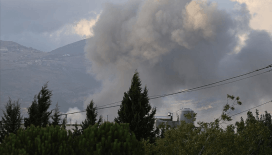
(252, 136)
(132, 132)
(106, 139)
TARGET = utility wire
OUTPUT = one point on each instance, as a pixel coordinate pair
(247, 110)
(215, 82)
(85, 110)
(251, 108)
(159, 96)
(230, 116)
(199, 88)
(194, 90)
(186, 90)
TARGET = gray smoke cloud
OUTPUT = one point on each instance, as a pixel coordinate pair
(177, 45)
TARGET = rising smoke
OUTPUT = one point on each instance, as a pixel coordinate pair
(175, 45)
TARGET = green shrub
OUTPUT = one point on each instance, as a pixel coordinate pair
(108, 139)
(252, 136)
(36, 140)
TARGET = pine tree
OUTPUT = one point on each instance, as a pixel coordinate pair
(12, 119)
(56, 117)
(3, 132)
(91, 114)
(136, 110)
(32, 112)
(63, 123)
(38, 115)
(76, 132)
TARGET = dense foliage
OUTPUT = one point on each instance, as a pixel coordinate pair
(12, 119)
(252, 136)
(133, 131)
(136, 110)
(56, 118)
(107, 139)
(91, 114)
(38, 115)
(38, 140)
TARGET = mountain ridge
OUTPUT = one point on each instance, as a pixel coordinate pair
(25, 70)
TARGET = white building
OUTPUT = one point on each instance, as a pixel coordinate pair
(168, 120)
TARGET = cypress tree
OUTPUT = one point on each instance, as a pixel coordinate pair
(136, 110)
(56, 117)
(63, 123)
(76, 132)
(12, 119)
(32, 112)
(38, 115)
(91, 114)
(2, 132)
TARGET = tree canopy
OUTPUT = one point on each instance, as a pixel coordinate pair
(136, 110)
(12, 119)
(91, 114)
(56, 117)
(38, 115)
(252, 136)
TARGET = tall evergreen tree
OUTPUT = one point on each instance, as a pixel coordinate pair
(91, 114)
(56, 117)
(76, 132)
(3, 132)
(38, 114)
(12, 119)
(32, 112)
(136, 110)
(63, 123)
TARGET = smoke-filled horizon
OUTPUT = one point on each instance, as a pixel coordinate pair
(177, 45)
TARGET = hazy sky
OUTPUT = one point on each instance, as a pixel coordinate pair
(175, 45)
(47, 24)
(179, 45)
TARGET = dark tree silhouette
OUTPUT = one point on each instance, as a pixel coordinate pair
(38, 115)
(91, 114)
(136, 110)
(12, 119)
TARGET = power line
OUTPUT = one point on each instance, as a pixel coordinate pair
(251, 108)
(85, 110)
(158, 96)
(186, 90)
(230, 116)
(199, 88)
(190, 90)
(247, 110)
(194, 90)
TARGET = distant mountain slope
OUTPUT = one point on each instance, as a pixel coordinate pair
(14, 47)
(25, 70)
(75, 48)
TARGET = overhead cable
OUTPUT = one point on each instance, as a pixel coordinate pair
(189, 90)
(159, 96)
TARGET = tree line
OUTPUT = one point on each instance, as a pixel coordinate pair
(250, 136)
(135, 110)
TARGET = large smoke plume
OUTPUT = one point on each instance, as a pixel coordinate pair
(175, 45)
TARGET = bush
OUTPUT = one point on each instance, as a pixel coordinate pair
(36, 140)
(252, 136)
(107, 139)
